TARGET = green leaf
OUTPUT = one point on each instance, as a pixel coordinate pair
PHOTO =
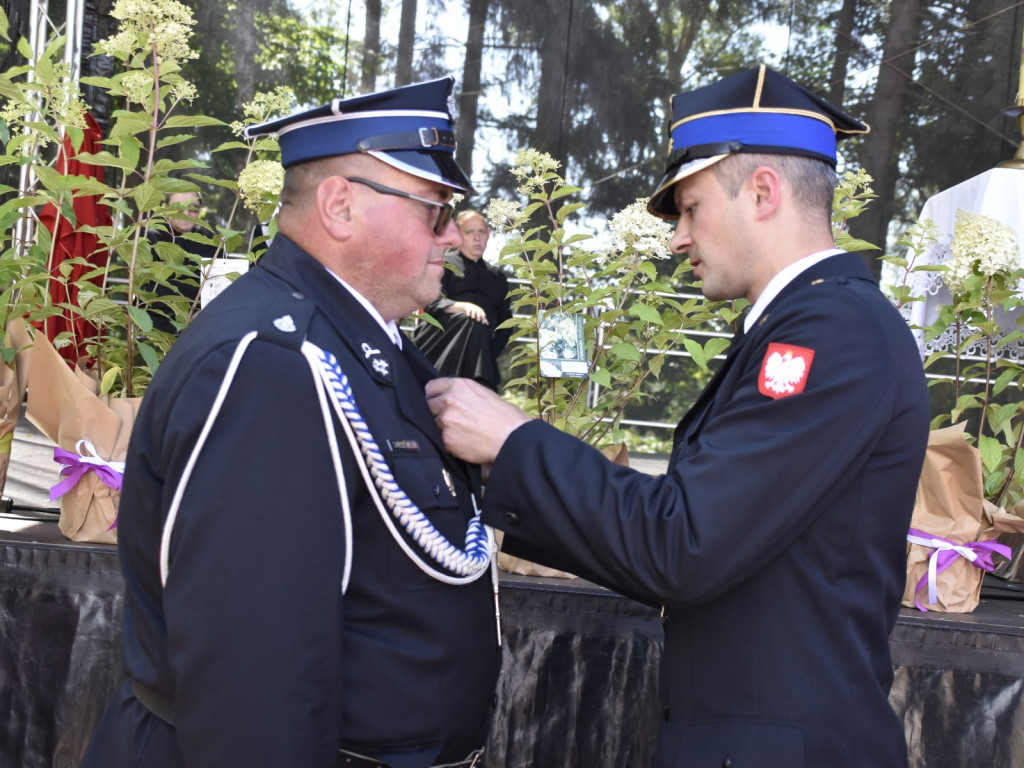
(627, 351)
(141, 318)
(109, 377)
(647, 313)
(107, 160)
(564, 191)
(715, 347)
(150, 356)
(192, 121)
(129, 124)
(567, 209)
(230, 145)
(147, 197)
(130, 148)
(696, 352)
(991, 452)
(178, 138)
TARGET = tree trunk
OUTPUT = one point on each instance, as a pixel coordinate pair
(881, 149)
(844, 45)
(681, 24)
(552, 111)
(371, 47)
(406, 42)
(245, 52)
(471, 85)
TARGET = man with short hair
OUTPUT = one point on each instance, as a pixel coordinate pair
(473, 304)
(184, 210)
(305, 569)
(776, 541)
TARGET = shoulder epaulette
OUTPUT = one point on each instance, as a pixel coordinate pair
(287, 319)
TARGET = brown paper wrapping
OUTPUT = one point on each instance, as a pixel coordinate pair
(66, 407)
(617, 454)
(12, 391)
(951, 504)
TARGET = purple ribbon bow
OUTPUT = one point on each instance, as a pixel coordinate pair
(75, 465)
(978, 553)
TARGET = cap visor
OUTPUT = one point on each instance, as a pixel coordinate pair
(435, 166)
(663, 202)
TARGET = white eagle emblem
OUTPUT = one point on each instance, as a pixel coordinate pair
(781, 372)
(784, 370)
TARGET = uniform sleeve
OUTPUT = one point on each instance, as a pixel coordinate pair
(252, 602)
(751, 480)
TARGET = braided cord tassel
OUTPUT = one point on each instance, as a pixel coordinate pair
(478, 546)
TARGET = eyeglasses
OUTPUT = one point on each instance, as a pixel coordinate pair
(444, 213)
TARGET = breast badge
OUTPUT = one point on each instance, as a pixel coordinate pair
(378, 362)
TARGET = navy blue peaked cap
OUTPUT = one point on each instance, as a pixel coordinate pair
(409, 128)
(757, 110)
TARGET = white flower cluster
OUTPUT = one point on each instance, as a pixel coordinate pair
(531, 166)
(263, 106)
(981, 246)
(62, 102)
(635, 229)
(503, 215)
(259, 181)
(160, 26)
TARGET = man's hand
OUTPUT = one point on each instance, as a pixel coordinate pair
(468, 308)
(474, 421)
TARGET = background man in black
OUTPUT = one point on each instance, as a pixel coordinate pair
(186, 208)
(473, 303)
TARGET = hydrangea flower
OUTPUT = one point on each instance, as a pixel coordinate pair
(503, 215)
(259, 181)
(162, 27)
(634, 228)
(981, 246)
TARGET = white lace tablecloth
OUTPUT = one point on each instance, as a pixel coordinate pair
(998, 193)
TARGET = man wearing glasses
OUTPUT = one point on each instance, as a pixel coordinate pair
(307, 579)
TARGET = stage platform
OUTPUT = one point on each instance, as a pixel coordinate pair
(579, 682)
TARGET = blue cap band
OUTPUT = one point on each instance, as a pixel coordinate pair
(774, 131)
(328, 136)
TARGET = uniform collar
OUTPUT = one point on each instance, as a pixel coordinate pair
(390, 328)
(781, 280)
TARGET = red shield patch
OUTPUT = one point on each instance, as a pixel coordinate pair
(784, 370)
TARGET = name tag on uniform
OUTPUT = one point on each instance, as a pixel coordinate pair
(403, 446)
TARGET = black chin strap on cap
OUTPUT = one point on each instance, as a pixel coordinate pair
(423, 138)
(686, 154)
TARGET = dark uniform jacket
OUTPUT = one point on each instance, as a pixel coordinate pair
(266, 662)
(776, 541)
(466, 347)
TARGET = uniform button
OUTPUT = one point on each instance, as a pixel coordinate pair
(494, 701)
(512, 518)
(298, 295)
(727, 763)
(437, 491)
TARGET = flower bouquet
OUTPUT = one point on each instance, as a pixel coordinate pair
(972, 486)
